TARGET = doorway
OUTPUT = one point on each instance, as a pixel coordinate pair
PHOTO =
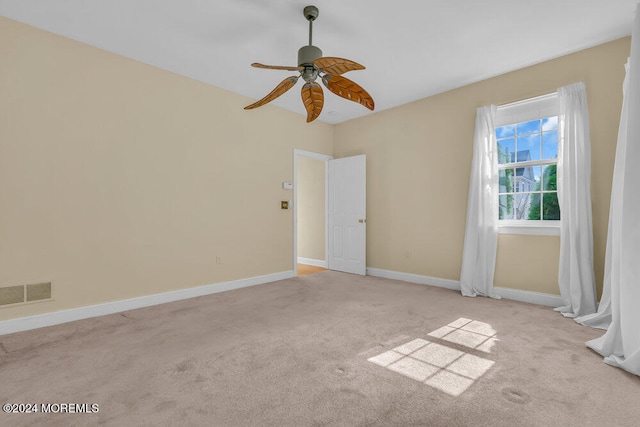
(329, 212)
(309, 211)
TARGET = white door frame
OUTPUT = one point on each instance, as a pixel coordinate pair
(317, 156)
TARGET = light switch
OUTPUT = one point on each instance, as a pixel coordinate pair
(287, 186)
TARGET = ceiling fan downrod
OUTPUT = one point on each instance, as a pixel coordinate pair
(310, 13)
(308, 54)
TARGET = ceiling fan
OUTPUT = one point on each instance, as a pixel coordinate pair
(311, 65)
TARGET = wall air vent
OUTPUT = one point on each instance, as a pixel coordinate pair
(25, 293)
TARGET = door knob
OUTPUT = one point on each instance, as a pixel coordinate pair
(362, 221)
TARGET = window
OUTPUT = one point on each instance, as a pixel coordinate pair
(527, 143)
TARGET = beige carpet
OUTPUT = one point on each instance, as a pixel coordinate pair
(323, 349)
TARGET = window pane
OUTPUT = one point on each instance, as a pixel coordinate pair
(528, 193)
(505, 150)
(550, 123)
(549, 178)
(505, 181)
(528, 127)
(550, 206)
(506, 131)
(528, 148)
(522, 206)
(550, 145)
(505, 206)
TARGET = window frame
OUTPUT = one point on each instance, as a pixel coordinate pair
(518, 112)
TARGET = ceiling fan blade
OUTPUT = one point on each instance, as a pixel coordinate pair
(347, 89)
(282, 87)
(313, 99)
(277, 67)
(336, 66)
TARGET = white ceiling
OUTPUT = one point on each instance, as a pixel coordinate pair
(412, 48)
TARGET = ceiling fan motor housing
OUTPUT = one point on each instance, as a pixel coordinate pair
(308, 54)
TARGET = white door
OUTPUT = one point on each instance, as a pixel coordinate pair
(347, 214)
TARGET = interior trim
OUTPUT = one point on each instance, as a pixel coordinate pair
(310, 261)
(531, 297)
(414, 278)
(57, 317)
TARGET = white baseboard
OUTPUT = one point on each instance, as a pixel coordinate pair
(531, 297)
(314, 262)
(48, 319)
(414, 278)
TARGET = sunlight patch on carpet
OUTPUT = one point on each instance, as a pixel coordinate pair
(469, 333)
(444, 368)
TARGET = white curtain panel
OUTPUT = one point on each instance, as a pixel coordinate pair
(481, 232)
(602, 319)
(575, 276)
(620, 345)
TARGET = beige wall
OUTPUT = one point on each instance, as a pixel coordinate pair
(118, 179)
(311, 208)
(419, 158)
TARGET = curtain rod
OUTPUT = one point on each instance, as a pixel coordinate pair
(529, 100)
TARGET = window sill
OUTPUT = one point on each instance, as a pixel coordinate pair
(531, 229)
